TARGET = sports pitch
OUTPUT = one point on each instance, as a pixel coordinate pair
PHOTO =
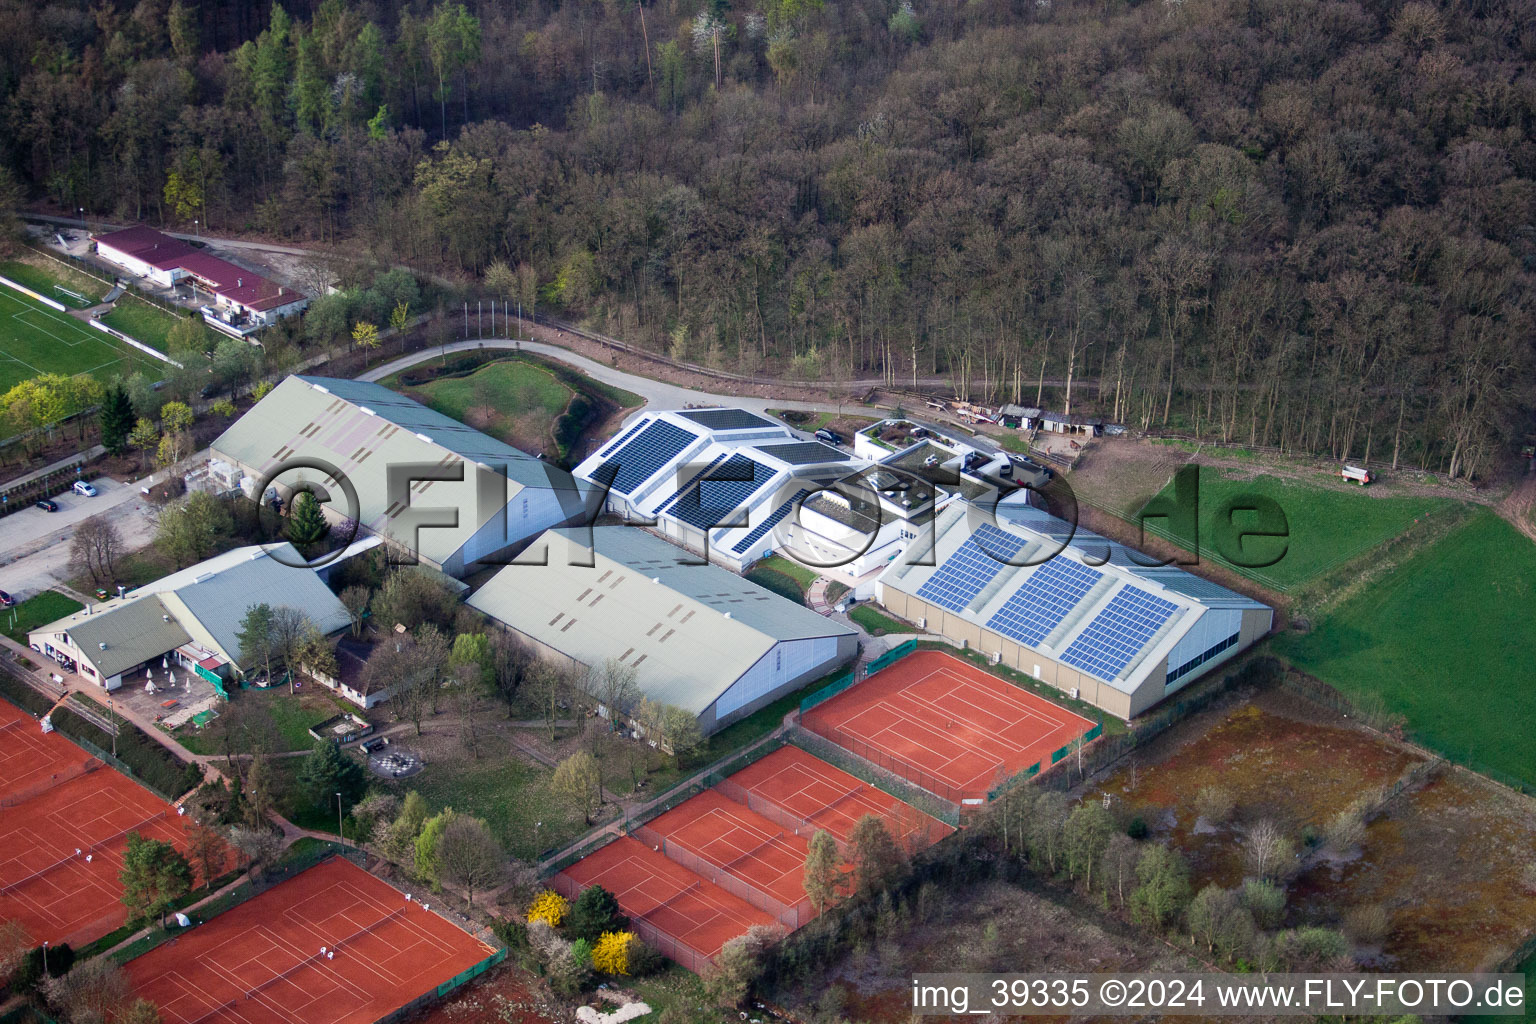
(35, 340)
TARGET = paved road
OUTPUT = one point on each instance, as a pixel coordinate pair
(36, 543)
(657, 394)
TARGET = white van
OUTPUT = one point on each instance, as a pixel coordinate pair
(84, 489)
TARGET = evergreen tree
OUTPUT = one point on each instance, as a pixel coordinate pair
(154, 876)
(255, 637)
(326, 772)
(595, 912)
(306, 523)
(116, 419)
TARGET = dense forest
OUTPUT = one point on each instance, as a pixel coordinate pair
(1299, 222)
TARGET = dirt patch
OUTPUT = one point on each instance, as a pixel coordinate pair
(1445, 858)
(990, 927)
(503, 995)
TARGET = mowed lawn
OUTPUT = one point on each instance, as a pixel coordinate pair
(46, 282)
(39, 610)
(35, 339)
(1328, 526)
(149, 324)
(510, 387)
(1447, 640)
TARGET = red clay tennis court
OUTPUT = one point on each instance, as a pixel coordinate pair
(63, 830)
(945, 724)
(661, 895)
(734, 840)
(804, 792)
(260, 962)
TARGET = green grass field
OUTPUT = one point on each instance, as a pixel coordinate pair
(1446, 639)
(35, 339)
(511, 794)
(36, 611)
(292, 714)
(1328, 526)
(150, 324)
(508, 385)
(47, 281)
(876, 622)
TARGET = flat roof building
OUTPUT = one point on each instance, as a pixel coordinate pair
(1069, 607)
(698, 637)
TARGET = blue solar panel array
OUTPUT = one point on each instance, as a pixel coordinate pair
(1118, 633)
(691, 481)
(710, 502)
(627, 435)
(975, 563)
(761, 529)
(1038, 607)
(639, 459)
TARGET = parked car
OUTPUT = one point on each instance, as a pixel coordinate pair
(84, 489)
(48, 505)
(828, 436)
(6, 600)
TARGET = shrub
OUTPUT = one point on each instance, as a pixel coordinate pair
(1265, 901)
(594, 914)
(549, 907)
(1367, 925)
(1312, 949)
(644, 959)
(1137, 829)
(1215, 804)
(611, 952)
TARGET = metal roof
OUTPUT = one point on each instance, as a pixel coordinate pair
(220, 591)
(1072, 594)
(133, 630)
(362, 428)
(690, 630)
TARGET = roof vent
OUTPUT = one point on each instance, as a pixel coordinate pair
(425, 438)
(655, 579)
(102, 644)
(727, 614)
(365, 410)
(321, 388)
(165, 618)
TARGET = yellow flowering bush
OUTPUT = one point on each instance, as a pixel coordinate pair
(611, 953)
(549, 907)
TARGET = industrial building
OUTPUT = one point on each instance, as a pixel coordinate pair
(1068, 607)
(503, 496)
(698, 637)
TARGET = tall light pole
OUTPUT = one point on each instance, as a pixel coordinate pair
(194, 228)
(45, 958)
(113, 714)
(338, 819)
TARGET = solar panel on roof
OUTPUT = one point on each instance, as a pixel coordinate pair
(626, 436)
(1118, 633)
(639, 459)
(1050, 593)
(726, 419)
(724, 490)
(975, 563)
(691, 481)
(761, 529)
(803, 453)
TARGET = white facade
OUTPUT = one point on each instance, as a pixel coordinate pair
(138, 268)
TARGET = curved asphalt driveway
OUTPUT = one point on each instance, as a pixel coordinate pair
(657, 394)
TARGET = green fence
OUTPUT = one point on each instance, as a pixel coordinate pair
(827, 692)
(883, 779)
(1013, 780)
(891, 656)
(473, 973)
(1094, 733)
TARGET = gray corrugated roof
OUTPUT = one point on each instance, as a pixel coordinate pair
(134, 629)
(691, 630)
(361, 429)
(220, 591)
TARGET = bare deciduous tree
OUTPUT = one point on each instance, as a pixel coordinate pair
(469, 855)
(95, 549)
